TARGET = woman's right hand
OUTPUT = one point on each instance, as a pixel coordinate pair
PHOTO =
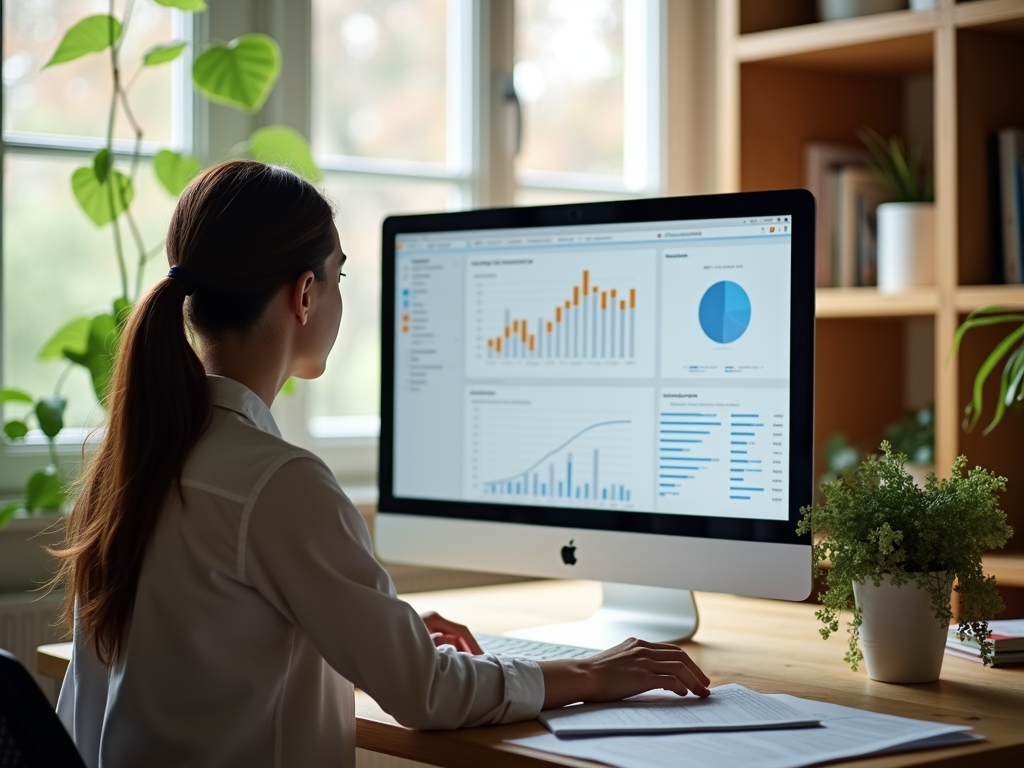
(627, 669)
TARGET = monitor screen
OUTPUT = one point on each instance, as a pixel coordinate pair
(624, 374)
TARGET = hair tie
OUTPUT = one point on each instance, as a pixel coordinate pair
(181, 274)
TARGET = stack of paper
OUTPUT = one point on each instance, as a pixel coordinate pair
(732, 708)
(843, 733)
(1007, 637)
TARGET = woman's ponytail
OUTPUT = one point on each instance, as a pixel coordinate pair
(240, 232)
(158, 405)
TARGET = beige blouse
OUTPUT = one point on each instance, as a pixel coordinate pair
(259, 606)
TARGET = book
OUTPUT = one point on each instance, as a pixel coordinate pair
(1007, 640)
(1009, 235)
(820, 158)
(857, 195)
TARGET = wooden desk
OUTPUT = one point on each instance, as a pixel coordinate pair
(766, 645)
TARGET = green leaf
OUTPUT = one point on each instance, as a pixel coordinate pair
(15, 429)
(102, 201)
(175, 171)
(196, 6)
(50, 412)
(122, 308)
(45, 490)
(997, 354)
(239, 74)
(9, 511)
(281, 145)
(161, 54)
(91, 35)
(102, 164)
(98, 358)
(14, 396)
(73, 336)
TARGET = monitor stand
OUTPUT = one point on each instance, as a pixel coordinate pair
(656, 614)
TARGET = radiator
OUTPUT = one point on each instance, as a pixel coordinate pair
(28, 620)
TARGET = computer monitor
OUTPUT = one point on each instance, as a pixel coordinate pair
(617, 391)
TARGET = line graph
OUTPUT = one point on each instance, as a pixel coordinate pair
(549, 445)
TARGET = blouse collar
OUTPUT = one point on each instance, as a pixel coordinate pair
(230, 394)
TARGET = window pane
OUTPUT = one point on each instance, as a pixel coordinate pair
(379, 78)
(351, 385)
(74, 98)
(568, 75)
(59, 266)
(535, 196)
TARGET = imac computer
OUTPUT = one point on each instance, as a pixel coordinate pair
(616, 391)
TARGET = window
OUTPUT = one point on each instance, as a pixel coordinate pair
(409, 108)
(392, 116)
(56, 264)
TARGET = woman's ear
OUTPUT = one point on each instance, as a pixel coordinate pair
(302, 296)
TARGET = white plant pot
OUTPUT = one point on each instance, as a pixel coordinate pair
(922, 5)
(834, 10)
(901, 639)
(906, 246)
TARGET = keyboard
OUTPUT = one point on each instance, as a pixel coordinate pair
(534, 650)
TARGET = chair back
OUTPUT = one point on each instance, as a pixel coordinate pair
(31, 735)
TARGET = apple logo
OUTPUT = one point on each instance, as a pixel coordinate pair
(569, 553)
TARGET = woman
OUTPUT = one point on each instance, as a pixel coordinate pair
(221, 586)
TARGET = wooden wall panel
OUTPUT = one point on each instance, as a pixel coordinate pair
(990, 67)
(784, 108)
(858, 389)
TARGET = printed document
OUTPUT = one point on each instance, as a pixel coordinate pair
(844, 733)
(729, 708)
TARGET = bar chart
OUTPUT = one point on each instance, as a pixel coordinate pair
(546, 445)
(560, 312)
(594, 323)
(721, 453)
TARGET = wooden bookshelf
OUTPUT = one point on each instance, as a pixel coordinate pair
(784, 79)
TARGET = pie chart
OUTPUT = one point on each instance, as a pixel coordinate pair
(724, 312)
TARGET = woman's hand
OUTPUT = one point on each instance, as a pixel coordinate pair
(444, 632)
(627, 669)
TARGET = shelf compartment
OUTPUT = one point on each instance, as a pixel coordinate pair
(1002, 15)
(868, 302)
(886, 43)
(971, 297)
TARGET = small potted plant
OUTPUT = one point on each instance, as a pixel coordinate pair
(895, 551)
(906, 224)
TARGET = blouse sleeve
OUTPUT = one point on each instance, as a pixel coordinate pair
(307, 550)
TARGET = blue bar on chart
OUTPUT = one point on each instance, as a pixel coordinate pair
(540, 482)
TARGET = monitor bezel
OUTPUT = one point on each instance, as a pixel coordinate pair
(797, 203)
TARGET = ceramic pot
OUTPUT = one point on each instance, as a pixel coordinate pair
(901, 639)
(906, 246)
(834, 10)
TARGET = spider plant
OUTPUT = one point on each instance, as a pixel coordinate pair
(1010, 349)
(901, 170)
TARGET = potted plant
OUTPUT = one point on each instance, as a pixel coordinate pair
(895, 551)
(906, 224)
(1010, 348)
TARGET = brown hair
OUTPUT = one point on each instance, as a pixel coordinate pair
(241, 231)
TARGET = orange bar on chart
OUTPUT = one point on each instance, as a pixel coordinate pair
(549, 326)
(622, 305)
(632, 298)
(558, 314)
(604, 299)
(575, 295)
(613, 293)
(508, 331)
(586, 281)
(568, 304)
(515, 326)
(522, 330)
(497, 344)
(533, 342)
(490, 343)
